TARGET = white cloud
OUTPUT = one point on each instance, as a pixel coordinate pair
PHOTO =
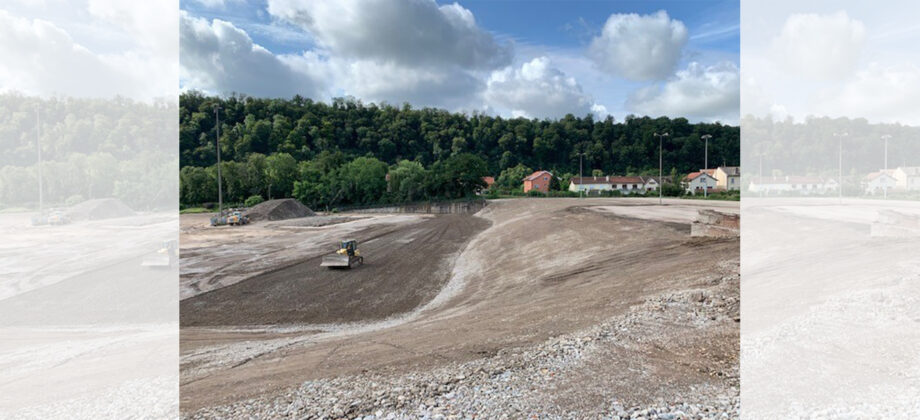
(638, 47)
(43, 59)
(820, 46)
(697, 92)
(537, 89)
(410, 33)
(447, 87)
(220, 58)
(877, 93)
(214, 4)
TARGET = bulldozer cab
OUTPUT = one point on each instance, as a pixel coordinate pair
(350, 246)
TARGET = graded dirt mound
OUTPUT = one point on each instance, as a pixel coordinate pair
(285, 208)
(98, 209)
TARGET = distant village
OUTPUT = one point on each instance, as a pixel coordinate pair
(724, 179)
(898, 180)
(721, 179)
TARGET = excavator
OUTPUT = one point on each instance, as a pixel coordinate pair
(347, 256)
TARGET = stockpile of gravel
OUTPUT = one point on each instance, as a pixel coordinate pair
(516, 382)
(98, 209)
(285, 208)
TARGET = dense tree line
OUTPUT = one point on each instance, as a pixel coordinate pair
(91, 148)
(415, 146)
(812, 146)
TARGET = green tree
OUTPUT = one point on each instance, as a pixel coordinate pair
(513, 178)
(408, 181)
(280, 173)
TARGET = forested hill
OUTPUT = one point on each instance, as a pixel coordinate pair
(303, 128)
(341, 153)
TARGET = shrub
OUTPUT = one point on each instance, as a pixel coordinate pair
(535, 193)
(253, 200)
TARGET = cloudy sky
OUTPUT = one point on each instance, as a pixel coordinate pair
(831, 58)
(534, 59)
(89, 48)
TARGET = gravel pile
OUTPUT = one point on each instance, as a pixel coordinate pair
(285, 208)
(98, 209)
(527, 382)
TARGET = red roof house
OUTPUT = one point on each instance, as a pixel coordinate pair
(539, 181)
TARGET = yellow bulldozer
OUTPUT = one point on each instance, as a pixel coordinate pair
(347, 256)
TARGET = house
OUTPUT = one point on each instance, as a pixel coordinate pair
(652, 183)
(488, 180)
(908, 178)
(879, 182)
(700, 181)
(803, 185)
(623, 184)
(539, 181)
(728, 178)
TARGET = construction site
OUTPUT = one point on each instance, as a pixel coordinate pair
(543, 307)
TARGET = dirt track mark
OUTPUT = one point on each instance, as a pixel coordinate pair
(402, 270)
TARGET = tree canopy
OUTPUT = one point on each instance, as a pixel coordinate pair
(428, 153)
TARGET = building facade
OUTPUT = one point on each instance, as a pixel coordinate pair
(597, 184)
(538, 181)
(728, 178)
(700, 181)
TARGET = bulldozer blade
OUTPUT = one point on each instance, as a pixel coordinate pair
(156, 261)
(336, 260)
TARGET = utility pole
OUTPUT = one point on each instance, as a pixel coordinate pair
(220, 192)
(660, 166)
(706, 137)
(581, 176)
(886, 137)
(38, 142)
(840, 137)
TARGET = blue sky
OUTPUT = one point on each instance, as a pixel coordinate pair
(559, 46)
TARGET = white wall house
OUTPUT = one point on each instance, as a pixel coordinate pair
(804, 185)
(597, 184)
(728, 178)
(878, 182)
(698, 182)
(908, 178)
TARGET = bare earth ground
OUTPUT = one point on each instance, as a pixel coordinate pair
(547, 307)
(832, 313)
(82, 320)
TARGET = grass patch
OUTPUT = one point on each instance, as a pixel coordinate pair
(193, 210)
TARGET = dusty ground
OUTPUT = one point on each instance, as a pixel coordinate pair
(577, 311)
(213, 258)
(85, 330)
(402, 270)
(831, 313)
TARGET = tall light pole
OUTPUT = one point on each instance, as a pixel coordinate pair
(706, 138)
(581, 176)
(840, 137)
(886, 137)
(38, 142)
(660, 166)
(220, 192)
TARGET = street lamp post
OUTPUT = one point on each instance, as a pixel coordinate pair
(886, 137)
(220, 192)
(38, 144)
(840, 137)
(581, 176)
(660, 161)
(706, 138)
